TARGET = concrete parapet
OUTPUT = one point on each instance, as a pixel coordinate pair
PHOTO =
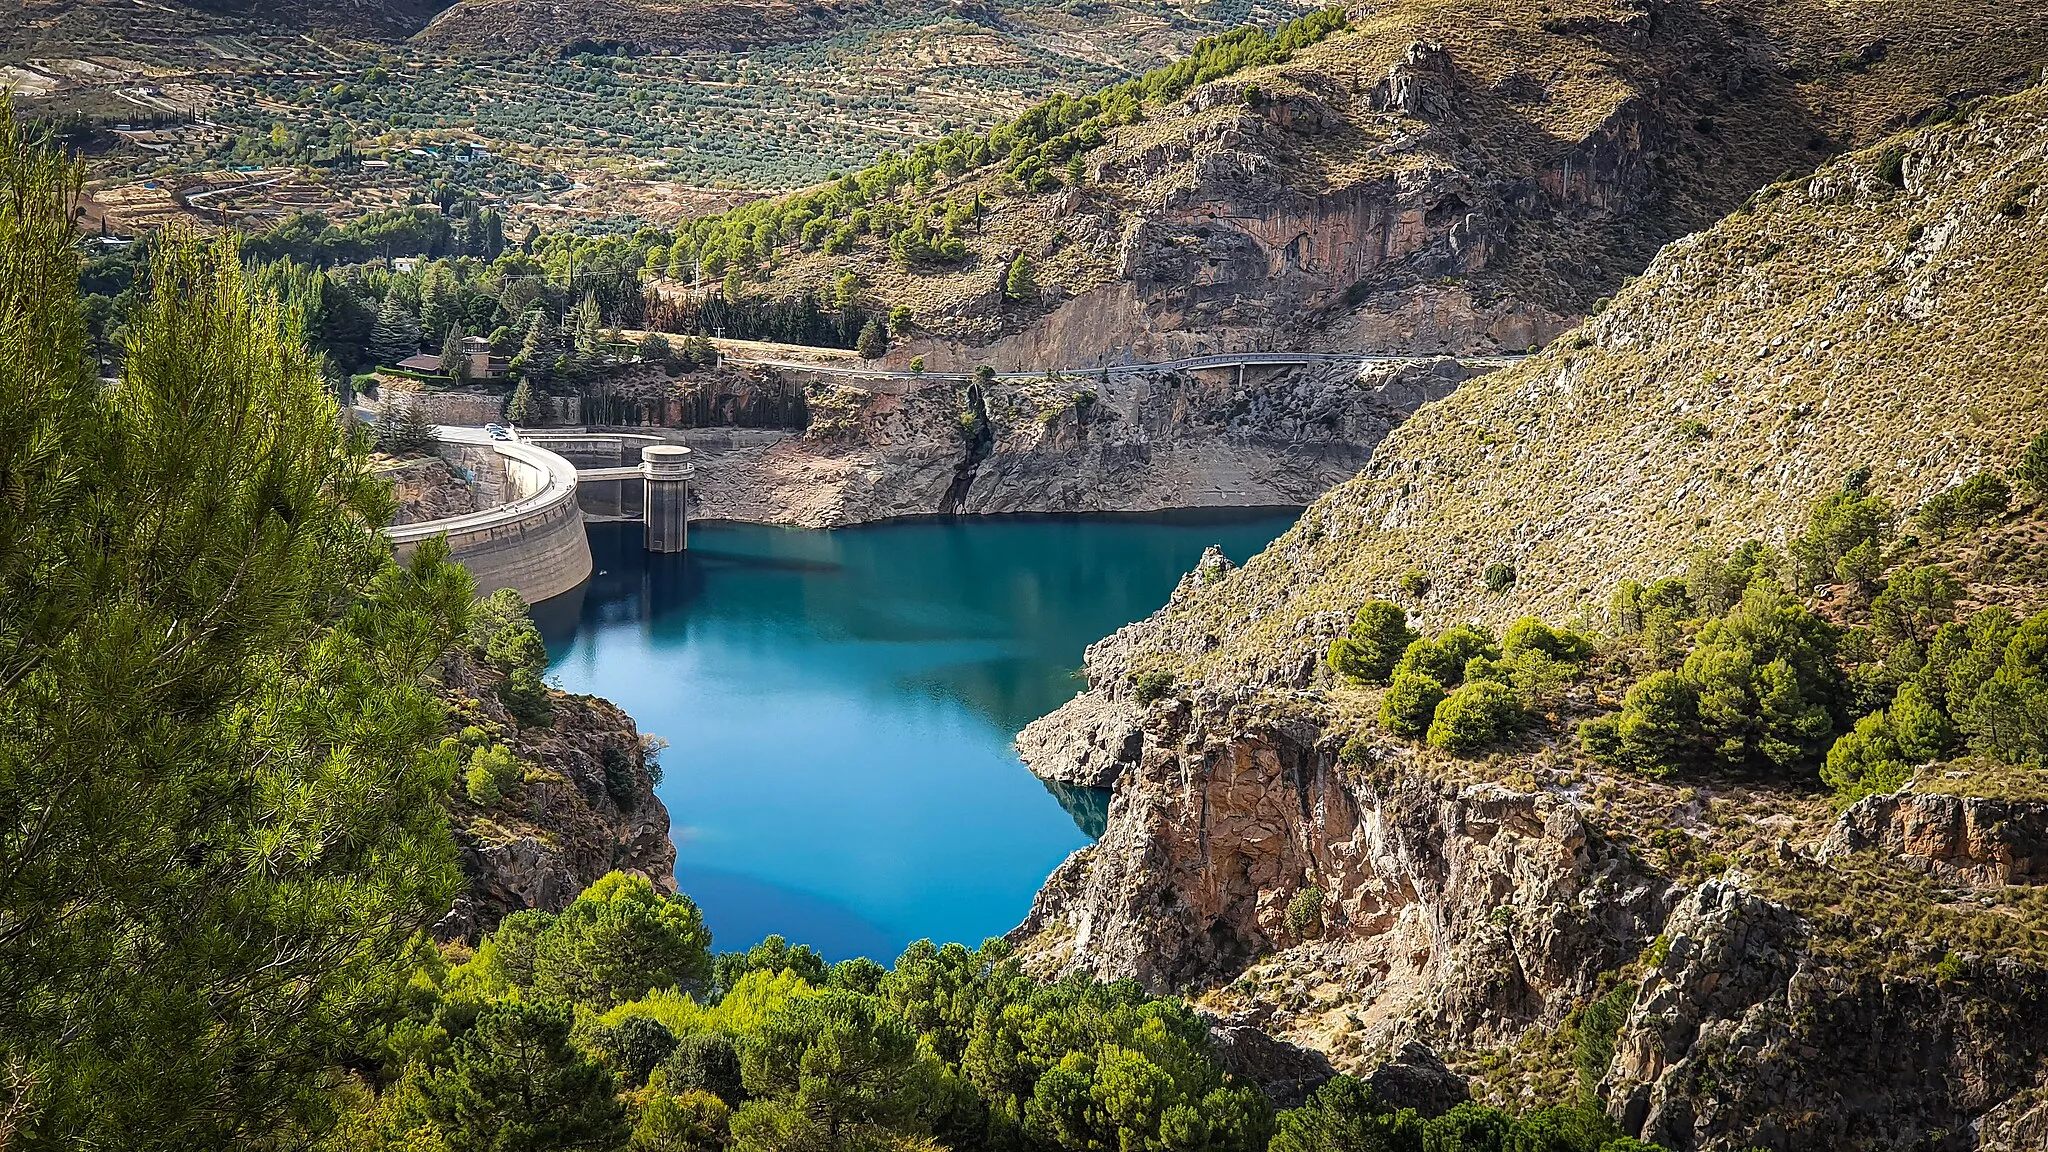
(533, 544)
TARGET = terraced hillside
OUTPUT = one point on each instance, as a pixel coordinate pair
(1443, 175)
(569, 115)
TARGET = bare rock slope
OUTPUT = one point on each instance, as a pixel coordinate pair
(1442, 176)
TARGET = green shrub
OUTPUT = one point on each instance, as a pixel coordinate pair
(1981, 499)
(1866, 761)
(1356, 753)
(1923, 731)
(496, 763)
(873, 342)
(1151, 687)
(1843, 538)
(1914, 603)
(2031, 473)
(1593, 1037)
(1656, 731)
(1410, 703)
(1714, 584)
(481, 785)
(2007, 715)
(1474, 717)
(1305, 913)
(1415, 583)
(1444, 658)
(1499, 577)
(1531, 634)
(705, 1062)
(1378, 637)
(525, 696)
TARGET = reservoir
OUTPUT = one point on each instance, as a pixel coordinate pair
(840, 705)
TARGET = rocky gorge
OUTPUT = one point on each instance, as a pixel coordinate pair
(1720, 962)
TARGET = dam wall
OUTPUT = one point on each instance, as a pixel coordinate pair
(533, 543)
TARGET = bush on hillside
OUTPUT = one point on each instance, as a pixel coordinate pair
(1410, 703)
(1474, 716)
(2031, 473)
(1843, 540)
(1375, 643)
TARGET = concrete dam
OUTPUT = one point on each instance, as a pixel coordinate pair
(532, 539)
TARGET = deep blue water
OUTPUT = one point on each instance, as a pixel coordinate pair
(840, 705)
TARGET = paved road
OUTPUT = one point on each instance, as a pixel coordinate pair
(1191, 363)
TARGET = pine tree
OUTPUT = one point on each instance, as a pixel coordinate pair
(397, 333)
(437, 304)
(515, 1081)
(1019, 285)
(537, 352)
(873, 342)
(208, 866)
(519, 409)
(586, 326)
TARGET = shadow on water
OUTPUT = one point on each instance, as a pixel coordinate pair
(1088, 806)
(840, 705)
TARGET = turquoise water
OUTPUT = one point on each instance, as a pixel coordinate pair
(840, 705)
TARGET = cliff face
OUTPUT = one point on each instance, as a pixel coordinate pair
(1741, 1035)
(1441, 177)
(1115, 441)
(1230, 816)
(1357, 908)
(586, 807)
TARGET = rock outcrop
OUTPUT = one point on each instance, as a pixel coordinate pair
(1481, 908)
(1958, 840)
(585, 808)
(1742, 1036)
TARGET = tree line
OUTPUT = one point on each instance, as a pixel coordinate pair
(1730, 667)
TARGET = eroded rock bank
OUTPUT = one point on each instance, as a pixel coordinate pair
(1114, 441)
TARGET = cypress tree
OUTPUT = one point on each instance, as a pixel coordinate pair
(454, 362)
(873, 342)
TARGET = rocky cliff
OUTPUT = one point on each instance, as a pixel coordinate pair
(1110, 441)
(1723, 962)
(583, 805)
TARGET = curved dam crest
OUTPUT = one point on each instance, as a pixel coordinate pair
(534, 542)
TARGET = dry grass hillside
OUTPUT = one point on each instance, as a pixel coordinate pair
(1887, 312)
(1445, 175)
